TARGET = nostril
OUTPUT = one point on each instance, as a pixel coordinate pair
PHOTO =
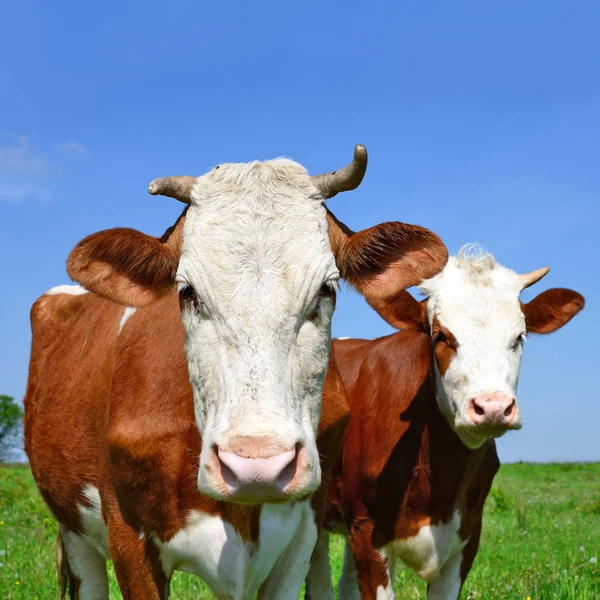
(227, 474)
(288, 473)
(478, 409)
(509, 409)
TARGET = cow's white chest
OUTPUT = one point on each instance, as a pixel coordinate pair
(233, 568)
(428, 551)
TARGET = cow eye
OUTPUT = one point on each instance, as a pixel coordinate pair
(187, 293)
(440, 337)
(188, 296)
(326, 291)
(313, 311)
(519, 341)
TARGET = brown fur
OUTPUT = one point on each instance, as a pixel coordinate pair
(402, 311)
(383, 260)
(445, 345)
(551, 309)
(127, 266)
(402, 466)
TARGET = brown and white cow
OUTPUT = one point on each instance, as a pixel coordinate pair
(425, 404)
(172, 413)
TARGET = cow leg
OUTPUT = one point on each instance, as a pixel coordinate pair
(286, 579)
(372, 572)
(318, 580)
(81, 567)
(446, 586)
(137, 563)
(348, 583)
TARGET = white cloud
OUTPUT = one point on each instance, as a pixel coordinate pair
(26, 171)
(71, 147)
(15, 193)
(18, 157)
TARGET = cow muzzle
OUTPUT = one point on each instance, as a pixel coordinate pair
(494, 413)
(253, 470)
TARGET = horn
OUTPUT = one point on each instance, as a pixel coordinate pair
(345, 179)
(179, 187)
(528, 279)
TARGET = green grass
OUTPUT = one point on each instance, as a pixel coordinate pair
(541, 539)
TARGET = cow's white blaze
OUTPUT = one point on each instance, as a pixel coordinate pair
(477, 300)
(256, 254)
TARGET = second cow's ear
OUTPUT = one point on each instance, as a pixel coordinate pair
(383, 261)
(551, 309)
(402, 311)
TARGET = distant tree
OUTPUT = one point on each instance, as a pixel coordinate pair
(11, 415)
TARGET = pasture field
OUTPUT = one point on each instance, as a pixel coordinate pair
(541, 540)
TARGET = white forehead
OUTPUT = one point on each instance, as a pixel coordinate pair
(474, 292)
(256, 226)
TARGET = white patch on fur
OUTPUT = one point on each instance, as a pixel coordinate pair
(256, 251)
(342, 338)
(428, 551)
(446, 586)
(478, 301)
(87, 552)
(233, 568)
(87, 564)
(284, 582)
(385, 592)
(72, 290)
(129, 312)
(93, 525)
(318, 580)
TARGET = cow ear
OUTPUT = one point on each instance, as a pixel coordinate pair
(382, 261)
(552, 309)
(127, 266)
(402, 311)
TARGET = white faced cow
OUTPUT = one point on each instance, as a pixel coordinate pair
(183, 431)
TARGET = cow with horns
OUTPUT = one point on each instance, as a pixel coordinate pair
(174, 403)
(426, 403)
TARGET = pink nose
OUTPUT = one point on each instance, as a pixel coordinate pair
(256, 469)
(493, 409)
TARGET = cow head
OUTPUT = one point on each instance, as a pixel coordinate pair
(478, 325)
(256, 260)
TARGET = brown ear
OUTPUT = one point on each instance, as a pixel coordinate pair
(382, 261)
(127, 266)
(402, 311)
(551, 309)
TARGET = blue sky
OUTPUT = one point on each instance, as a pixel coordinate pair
(481, 123)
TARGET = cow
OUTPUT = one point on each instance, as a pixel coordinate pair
(174, 397)
(426, 404)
